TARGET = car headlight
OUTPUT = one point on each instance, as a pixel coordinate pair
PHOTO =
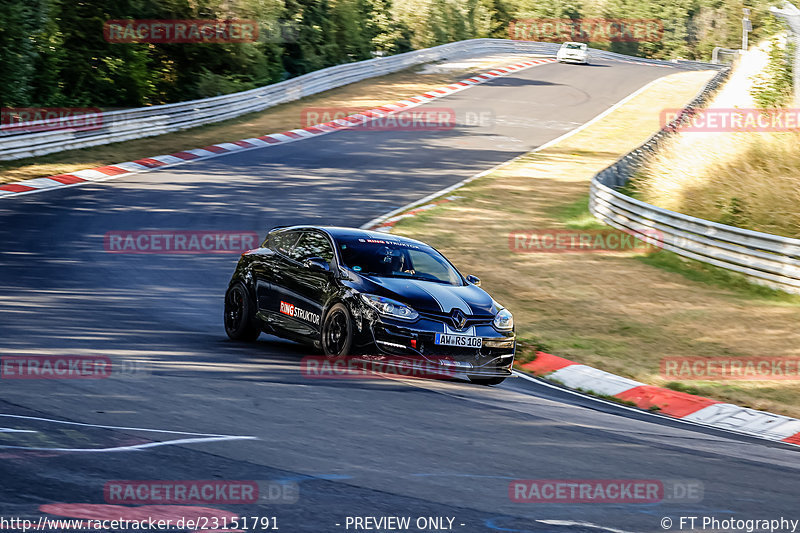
(504, 320)
(389, 307)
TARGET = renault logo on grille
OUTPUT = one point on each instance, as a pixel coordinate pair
(459, 320)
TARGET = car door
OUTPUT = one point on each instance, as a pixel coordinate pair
(270, 272)
(302, 293)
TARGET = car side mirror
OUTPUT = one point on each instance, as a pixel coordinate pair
(475, 280)
(317, 264)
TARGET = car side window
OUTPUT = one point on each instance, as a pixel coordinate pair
(283, 241)
(312, 244)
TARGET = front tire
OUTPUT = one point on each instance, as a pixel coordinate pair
(337, 332)
(241, 323)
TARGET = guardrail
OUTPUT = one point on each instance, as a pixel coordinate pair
(18, 142)
(766, 259)
(720, 50)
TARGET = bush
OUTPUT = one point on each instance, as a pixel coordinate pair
(772, 88)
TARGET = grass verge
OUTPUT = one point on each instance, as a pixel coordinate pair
(621, 312)
(577, 216)
(748, 180)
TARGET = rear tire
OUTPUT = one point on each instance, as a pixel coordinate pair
(487, 381)
(337, 332)
(241, 323)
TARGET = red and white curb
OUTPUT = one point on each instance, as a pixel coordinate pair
(688, 407)
(109, 172)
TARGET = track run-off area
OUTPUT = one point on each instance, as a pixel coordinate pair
(196, 406)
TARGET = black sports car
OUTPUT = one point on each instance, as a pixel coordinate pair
(350, 291)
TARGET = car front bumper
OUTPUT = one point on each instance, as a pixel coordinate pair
(572, 59)
(414, 344)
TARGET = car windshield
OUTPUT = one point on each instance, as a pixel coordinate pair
(396, 259)
(574, 46)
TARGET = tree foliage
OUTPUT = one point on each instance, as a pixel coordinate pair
(53, 52)
(772, 88)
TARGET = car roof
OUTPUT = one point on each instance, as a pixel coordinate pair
(338, 232)
(573, 42)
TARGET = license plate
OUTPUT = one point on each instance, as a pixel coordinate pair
(465, 341)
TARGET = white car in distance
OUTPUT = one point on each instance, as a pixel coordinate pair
(571, 52)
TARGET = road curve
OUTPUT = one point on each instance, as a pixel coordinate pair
(207, 408)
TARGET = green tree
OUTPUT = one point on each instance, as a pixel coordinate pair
(20, 21)
(314, 47)
(561, 9)
(773, 87)
(351, 36)
(92, 71)
(501, 14)
(385, 33)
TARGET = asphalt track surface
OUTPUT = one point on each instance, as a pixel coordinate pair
(354, 447)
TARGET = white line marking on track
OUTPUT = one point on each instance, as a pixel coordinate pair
(583, 524)
(134, 447)
(662, 418)
(100, 426)
(196, 437)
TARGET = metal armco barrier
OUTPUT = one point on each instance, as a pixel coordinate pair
(767, 259)
(16, 143)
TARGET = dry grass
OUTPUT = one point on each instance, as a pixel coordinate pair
(612, 311)
(363, 95)
(750, 180)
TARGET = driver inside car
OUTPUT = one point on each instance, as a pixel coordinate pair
(396, 261)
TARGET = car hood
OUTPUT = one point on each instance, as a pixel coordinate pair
(433, 297)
